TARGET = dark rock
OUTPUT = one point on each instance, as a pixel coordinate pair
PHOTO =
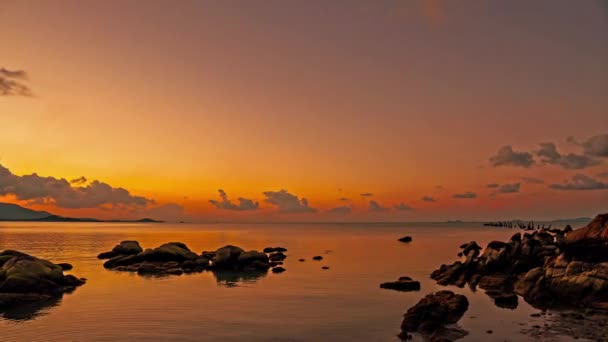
(589, 243)
(278, 269)
(406, 239)
(123, 248)
(301, 260)
(27, 279)
(403, 284)
(277, 256)
(227, 257)
(325, 267)
(431, 315)
(317, 258)
(65, 266)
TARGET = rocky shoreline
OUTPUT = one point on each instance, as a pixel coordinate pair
(25, 279)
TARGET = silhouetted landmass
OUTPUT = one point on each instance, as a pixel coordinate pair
(15, 213)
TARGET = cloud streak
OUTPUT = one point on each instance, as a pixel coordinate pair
(549, 155)
(11, 83)
(580, 182)
(507, 157)
(376, 207)
(465, 195)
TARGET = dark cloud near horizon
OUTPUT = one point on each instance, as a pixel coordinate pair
(403, 207)
(59, 192)
(509, 188)
(596, 146)
(580, 182)
(532, 180)
(465, 195)
(225, 204)
(550, 155)
(507, 157)
(340, 210)
(367, 194)
(376, 207)
(492, 186)
(287, 202)
(428, 199)
(11, 83)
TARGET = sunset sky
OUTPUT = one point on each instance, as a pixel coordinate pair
(305, 110)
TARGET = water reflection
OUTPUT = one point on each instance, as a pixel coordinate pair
(29, 311)
(229, 278)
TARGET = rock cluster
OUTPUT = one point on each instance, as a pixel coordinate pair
(546, 267)
(175, 258)
(27, 279)
(432, 314)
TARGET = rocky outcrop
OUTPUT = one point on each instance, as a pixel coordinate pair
(175, 258)
(26, 279)
(432, 315)
(406, 239)
(402, 284)
(545, 267)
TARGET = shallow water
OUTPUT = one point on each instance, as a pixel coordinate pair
(305, 303)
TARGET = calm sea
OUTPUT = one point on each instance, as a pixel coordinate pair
(305, 303)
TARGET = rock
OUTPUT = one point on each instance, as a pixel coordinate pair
(431, 315)
(506, 300)
(277, 256)
(317, 258)
(248, 257)
(300, 260)
(403, 284)
(278, 269)
(124, 248)
(65, 266)
(325, 267)
(27, 279)
(227, 257)
(406, 239)
(589, 243)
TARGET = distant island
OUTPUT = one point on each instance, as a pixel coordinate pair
(16, 213)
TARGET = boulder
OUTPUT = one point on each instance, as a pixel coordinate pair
(26, 279)
(277, 256)
(278, 269)
(227, 257)
(406, 239)
(124, 248)
(402, 284)
(431, 315)
(317, 258)
(589, 243)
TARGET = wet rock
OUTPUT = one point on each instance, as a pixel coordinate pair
(433, 313)
(124, 248)
(269, 250)
(406, 239)
(27, 279)
(227, 256)
(301, 260)
(277, 256)
(402, 284)
(65, 266)
(278, 269)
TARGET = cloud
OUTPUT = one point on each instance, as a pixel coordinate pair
(344, 199)
(59, 192)
(507, 157)
(340, 210)
(532, 180)
(80, 180)
(287, 202)
(11, 83)
(509, 188)
(429, 199)
(492, 186)
(403, 207)
(596, 146)
(465, 195)
(549, 155)
(367, 194)
(226, 204)
(376, 207)
(580, 182)
(169, 211)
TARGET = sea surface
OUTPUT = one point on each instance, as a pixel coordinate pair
(305, 303)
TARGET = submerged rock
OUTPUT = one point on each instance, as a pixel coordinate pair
(402, 284)
(431, 315)
(406, 239)
(27, 279)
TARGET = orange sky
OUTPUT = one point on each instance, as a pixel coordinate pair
(173, 101)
